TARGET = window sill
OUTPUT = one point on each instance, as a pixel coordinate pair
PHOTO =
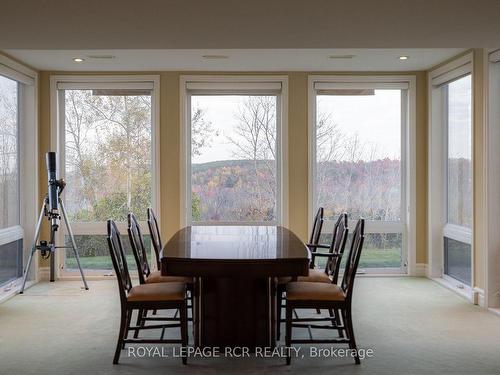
(11, 288)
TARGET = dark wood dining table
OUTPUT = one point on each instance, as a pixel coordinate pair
(235, 270)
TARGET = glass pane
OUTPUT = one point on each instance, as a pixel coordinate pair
(457, 260)
(11, 265)
(94, 253)
(107, 155)
(358, 154)
(460, 152)
(9, 158)
(107, 163)
(380, 250)
(233, 158)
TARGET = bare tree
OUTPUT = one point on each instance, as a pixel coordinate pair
(201, 131)
(255, 140)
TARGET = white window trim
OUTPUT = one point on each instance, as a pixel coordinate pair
(408, 157)
(28, 162)
(57, 132)
(236, 83)
(438, 227)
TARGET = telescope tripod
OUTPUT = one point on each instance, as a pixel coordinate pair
(51, 246)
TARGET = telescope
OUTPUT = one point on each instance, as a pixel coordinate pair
(54, 191)
(52, 208)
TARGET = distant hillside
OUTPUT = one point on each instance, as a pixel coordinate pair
(202, 167)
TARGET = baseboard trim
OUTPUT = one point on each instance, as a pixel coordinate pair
(478, 296)
(421, 270)
(44, 273)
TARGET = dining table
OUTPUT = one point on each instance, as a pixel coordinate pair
(235, 270)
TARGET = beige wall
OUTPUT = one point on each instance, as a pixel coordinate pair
(298, 149)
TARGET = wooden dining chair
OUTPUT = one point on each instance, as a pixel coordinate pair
(145, 274)
(330, 296)
(157, 296)
(330, 273)
(154, 232)
(281, 284)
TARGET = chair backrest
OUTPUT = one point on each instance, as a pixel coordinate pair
(138, 248)
(317, 226)
(118, 259)
(337, 246)
(154, 231)
(352, 262)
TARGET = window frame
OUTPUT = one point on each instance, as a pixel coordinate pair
(27, 84)
(438, 224)
(235, 85)
(407, 225)
(491, 297)
(57, 143)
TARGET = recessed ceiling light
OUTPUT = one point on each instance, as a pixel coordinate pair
(103, 57)
(78, 59)
(403, 57)
(341, 56)
(215, 57)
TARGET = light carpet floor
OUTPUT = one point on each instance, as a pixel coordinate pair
(413, 325)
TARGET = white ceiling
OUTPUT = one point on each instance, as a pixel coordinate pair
(237, 59)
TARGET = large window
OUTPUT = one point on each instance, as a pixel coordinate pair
(107, 158)
(458, 143)
(10, 252)
(9, 153)
(234, 154)
(359, 164)
(450, 195)
(18, 164)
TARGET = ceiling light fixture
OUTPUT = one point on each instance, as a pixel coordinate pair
(341, 56)
(215, 57)
(102, 57)
(403, 57)
(78, 59)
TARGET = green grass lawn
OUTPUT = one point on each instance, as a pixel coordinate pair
(370, 258)
(102, 262)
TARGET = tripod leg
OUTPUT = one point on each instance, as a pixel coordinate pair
(33, 247)
(27, 270)
(73, 243)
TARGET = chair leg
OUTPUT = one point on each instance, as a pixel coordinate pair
(138, 322)
(121, 334)
(279, 301)
(350, 332)
(337, 322)
(288, 334)
(127, 325)
(184, 332)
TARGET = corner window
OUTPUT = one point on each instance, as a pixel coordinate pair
(458, 143)
(450, 173)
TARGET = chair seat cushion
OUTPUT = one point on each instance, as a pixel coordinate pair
(315, 276)
(307, 291)
(156, 277)
(173, 291)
